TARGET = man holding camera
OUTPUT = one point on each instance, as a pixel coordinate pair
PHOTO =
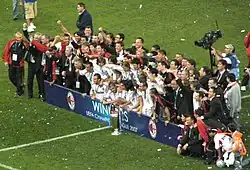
(230, 57)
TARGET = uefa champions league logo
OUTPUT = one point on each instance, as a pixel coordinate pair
(152, 129)
(71, 100)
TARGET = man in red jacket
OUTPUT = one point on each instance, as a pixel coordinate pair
(247, 45)
(13, 56)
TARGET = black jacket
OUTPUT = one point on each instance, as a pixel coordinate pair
(215, 109)
(33, 53)
(204, 82)
(192, 137)
(222, 80)
(184, 99)
(84, 20)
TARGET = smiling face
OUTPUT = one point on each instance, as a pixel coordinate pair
(138, 43)
(118, 47)
(77, 37)
(118, 38)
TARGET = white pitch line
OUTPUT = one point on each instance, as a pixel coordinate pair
(53, 139)
(244, 97)
(7, 167)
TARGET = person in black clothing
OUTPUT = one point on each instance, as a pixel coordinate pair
(13, 56)
(68, 68)
(34, 58)
(191, 143)
(205, 74)
(138, 45)
(214, 117)
(168, 77)
(212, 82)
(183, 96)
(81, 82)
(221, 74)
(85, 18)
(211, 152)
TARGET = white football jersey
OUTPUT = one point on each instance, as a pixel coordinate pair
(223, 141)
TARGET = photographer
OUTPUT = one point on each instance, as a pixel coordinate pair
(230, 56)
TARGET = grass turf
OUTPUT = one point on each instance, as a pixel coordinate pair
(161, 22)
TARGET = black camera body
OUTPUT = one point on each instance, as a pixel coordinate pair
(209, 38)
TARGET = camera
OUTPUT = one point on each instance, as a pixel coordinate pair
(209, 38)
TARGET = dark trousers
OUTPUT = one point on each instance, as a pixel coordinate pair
(214, 124)
(43, 77)
(195, 150)
(16, 77)
(211, 153)
(32, 72)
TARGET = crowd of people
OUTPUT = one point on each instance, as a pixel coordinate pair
(204, 103)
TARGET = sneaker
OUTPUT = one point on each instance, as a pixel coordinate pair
(32, 26)
(243, 88)
(116, 132)
(30, 29)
